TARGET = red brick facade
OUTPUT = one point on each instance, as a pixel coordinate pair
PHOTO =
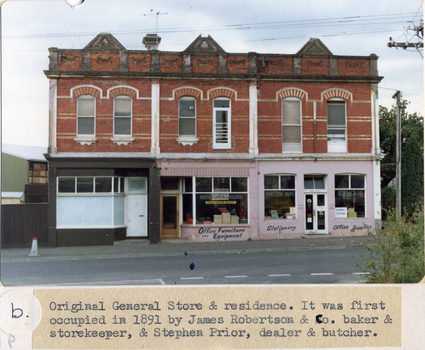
(312, 77)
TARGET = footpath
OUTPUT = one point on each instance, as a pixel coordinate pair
(142, 248)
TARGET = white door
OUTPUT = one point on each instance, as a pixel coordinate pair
(137, 207)
(316, 213)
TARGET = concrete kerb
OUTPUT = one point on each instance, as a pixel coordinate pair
(67, 255)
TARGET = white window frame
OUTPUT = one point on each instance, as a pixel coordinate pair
(93, 194)
(337, 144)
(188, 139)
(86, 139)
(298, 146)
(228, 144)
(349, 188)
(123, 139)
(293, 214)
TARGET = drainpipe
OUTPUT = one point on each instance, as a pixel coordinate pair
(315, 127)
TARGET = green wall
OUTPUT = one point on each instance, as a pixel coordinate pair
(15, 173)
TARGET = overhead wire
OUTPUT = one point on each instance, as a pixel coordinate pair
(245, 26)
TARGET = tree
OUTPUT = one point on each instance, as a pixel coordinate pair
(412, 126)
(412, 176)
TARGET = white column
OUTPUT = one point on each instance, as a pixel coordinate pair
(155, 118)
(376, 150)
(53, 116)
(253, 119)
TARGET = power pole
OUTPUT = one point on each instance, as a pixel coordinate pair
(418, 32)
(397, 95)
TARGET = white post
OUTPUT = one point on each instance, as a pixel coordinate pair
(376, 167)
(52, 115)
(34, 247)
(155, 118)
(253, 119)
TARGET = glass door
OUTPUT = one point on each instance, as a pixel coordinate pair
(315, 213)
(170, 216)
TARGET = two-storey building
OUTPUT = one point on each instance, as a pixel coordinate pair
(209, 145)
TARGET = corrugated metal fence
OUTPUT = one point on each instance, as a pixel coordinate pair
(21, 222)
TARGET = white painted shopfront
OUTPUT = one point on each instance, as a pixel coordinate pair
(270, 199)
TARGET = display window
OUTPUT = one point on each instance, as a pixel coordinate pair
(215, 200)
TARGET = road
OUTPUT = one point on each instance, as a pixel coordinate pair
(328, 266)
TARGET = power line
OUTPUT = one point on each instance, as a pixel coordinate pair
(244, 26)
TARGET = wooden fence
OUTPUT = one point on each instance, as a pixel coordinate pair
(21, 222)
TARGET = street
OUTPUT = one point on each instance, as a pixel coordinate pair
(314, 266)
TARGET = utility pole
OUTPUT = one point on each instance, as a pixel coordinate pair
(397, 95)
(419, 33)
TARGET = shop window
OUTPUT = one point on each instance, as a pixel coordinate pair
(103, 184)
(350, 194)
(85, 185)
(222, 124)
(118, 184)
(279, 197)
(291, 125)
(188, 200)
(216, 200)
(337, 126)
(66, 185)
(85, 201)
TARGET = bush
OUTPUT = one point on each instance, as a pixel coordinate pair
(396, 253)
(388, 200)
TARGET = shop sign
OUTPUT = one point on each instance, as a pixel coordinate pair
(222, 233)
(341, 213)
(220, 194)
(353, 228)
(280, 228)
(220, 202)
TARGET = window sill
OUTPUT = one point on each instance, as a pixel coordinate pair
(85, 140)
(187, 141)
(119, 140)
(267, 218)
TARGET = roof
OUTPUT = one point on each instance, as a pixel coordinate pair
(32, 153)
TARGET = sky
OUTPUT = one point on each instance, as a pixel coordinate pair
(357, 27)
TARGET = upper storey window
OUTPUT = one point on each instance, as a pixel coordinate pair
(122, 115)
(337, 125)
(122, 120)
(187, 120)
(86, 120)
(86, 115)
(291, 125)
(221, 126)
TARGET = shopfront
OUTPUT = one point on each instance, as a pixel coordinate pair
(315, 198)
(209, 203)
(97, 202)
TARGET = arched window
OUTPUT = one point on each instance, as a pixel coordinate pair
(291, 125)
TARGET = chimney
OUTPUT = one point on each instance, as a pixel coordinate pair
(151, 41)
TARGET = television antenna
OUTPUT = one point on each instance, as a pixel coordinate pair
(157, 14)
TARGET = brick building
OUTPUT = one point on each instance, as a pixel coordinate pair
(209, 145)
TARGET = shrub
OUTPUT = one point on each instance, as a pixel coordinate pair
(395, 254)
